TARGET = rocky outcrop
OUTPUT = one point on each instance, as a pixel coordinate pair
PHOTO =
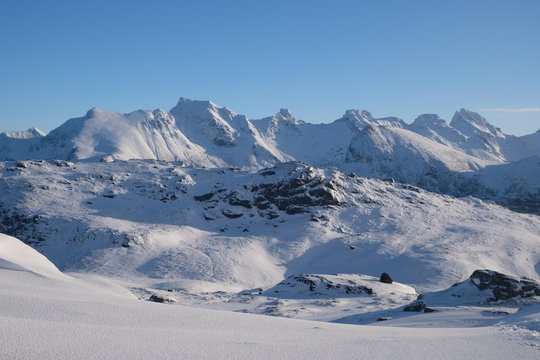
(385, 278)
(504, 287)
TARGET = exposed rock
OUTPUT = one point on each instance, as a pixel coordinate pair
(161, 299)
(306, 187)
(319, 284)
(204, 197)
(385, 278)
(417, 306)
(231, 215)
(504, 287)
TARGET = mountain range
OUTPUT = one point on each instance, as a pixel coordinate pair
(467, 156)
(200, 207)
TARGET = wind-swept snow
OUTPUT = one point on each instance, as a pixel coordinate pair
(52, 318)
(15, 255)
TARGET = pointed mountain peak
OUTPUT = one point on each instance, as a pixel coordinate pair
(469, 122)
(286, 113)
(284, 116)
(358, 114)
(36, 132)
(357, 119)
(198, 103)
(428, 120)
(29, 134)
(469, 116)
(93, 112)
(183, 100)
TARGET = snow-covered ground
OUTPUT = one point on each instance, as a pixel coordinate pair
(48, 316)
(164, 226)
(217, 217)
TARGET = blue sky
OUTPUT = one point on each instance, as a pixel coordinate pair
(403, 58)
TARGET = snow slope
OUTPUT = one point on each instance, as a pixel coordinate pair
(407, 157)
(107, 135)
(19, 144)
(224, 134)
(15, 255)
(51, 318)
(162, 226)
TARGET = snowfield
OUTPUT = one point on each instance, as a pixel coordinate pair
(168, 234)
(44, 316)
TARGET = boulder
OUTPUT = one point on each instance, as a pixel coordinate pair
(385, 278)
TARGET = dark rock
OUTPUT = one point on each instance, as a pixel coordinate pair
(272, 215)
(231, 215)
(318, 283)
(161, 299)
(204, 197)
(292, 210)
(385, 278)
(235, 201)
(417, 306)
(504, 287)
(306, 188)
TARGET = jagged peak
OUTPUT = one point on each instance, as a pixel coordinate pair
(427, 120)
(93, 112)
(466, 120)
(392, 121)
(204, 103)
(357, 119)
(36, 131)
(465, 115)
(28, 134)
(286, 113)
(183, 100)
(357, 113)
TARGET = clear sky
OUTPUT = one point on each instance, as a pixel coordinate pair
(394, 58)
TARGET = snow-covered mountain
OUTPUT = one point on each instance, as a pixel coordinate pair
(236, 230)
(19, 144)
(428, 153)
(101, 135)
(224, 134)
(203, 207)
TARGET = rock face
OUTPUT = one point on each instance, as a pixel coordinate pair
(483, 287)
(504, 287)
(385, 278)
(318, 285)
(304, 188)
(417, 306)
(290, 188)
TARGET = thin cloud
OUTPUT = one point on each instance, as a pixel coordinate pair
(518, 110)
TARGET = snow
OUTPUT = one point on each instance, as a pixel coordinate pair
(14, 255)
(146, 222)
(204, 134)
(53, 318)
(222, 216)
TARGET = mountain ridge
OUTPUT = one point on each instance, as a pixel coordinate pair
(430, 153)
